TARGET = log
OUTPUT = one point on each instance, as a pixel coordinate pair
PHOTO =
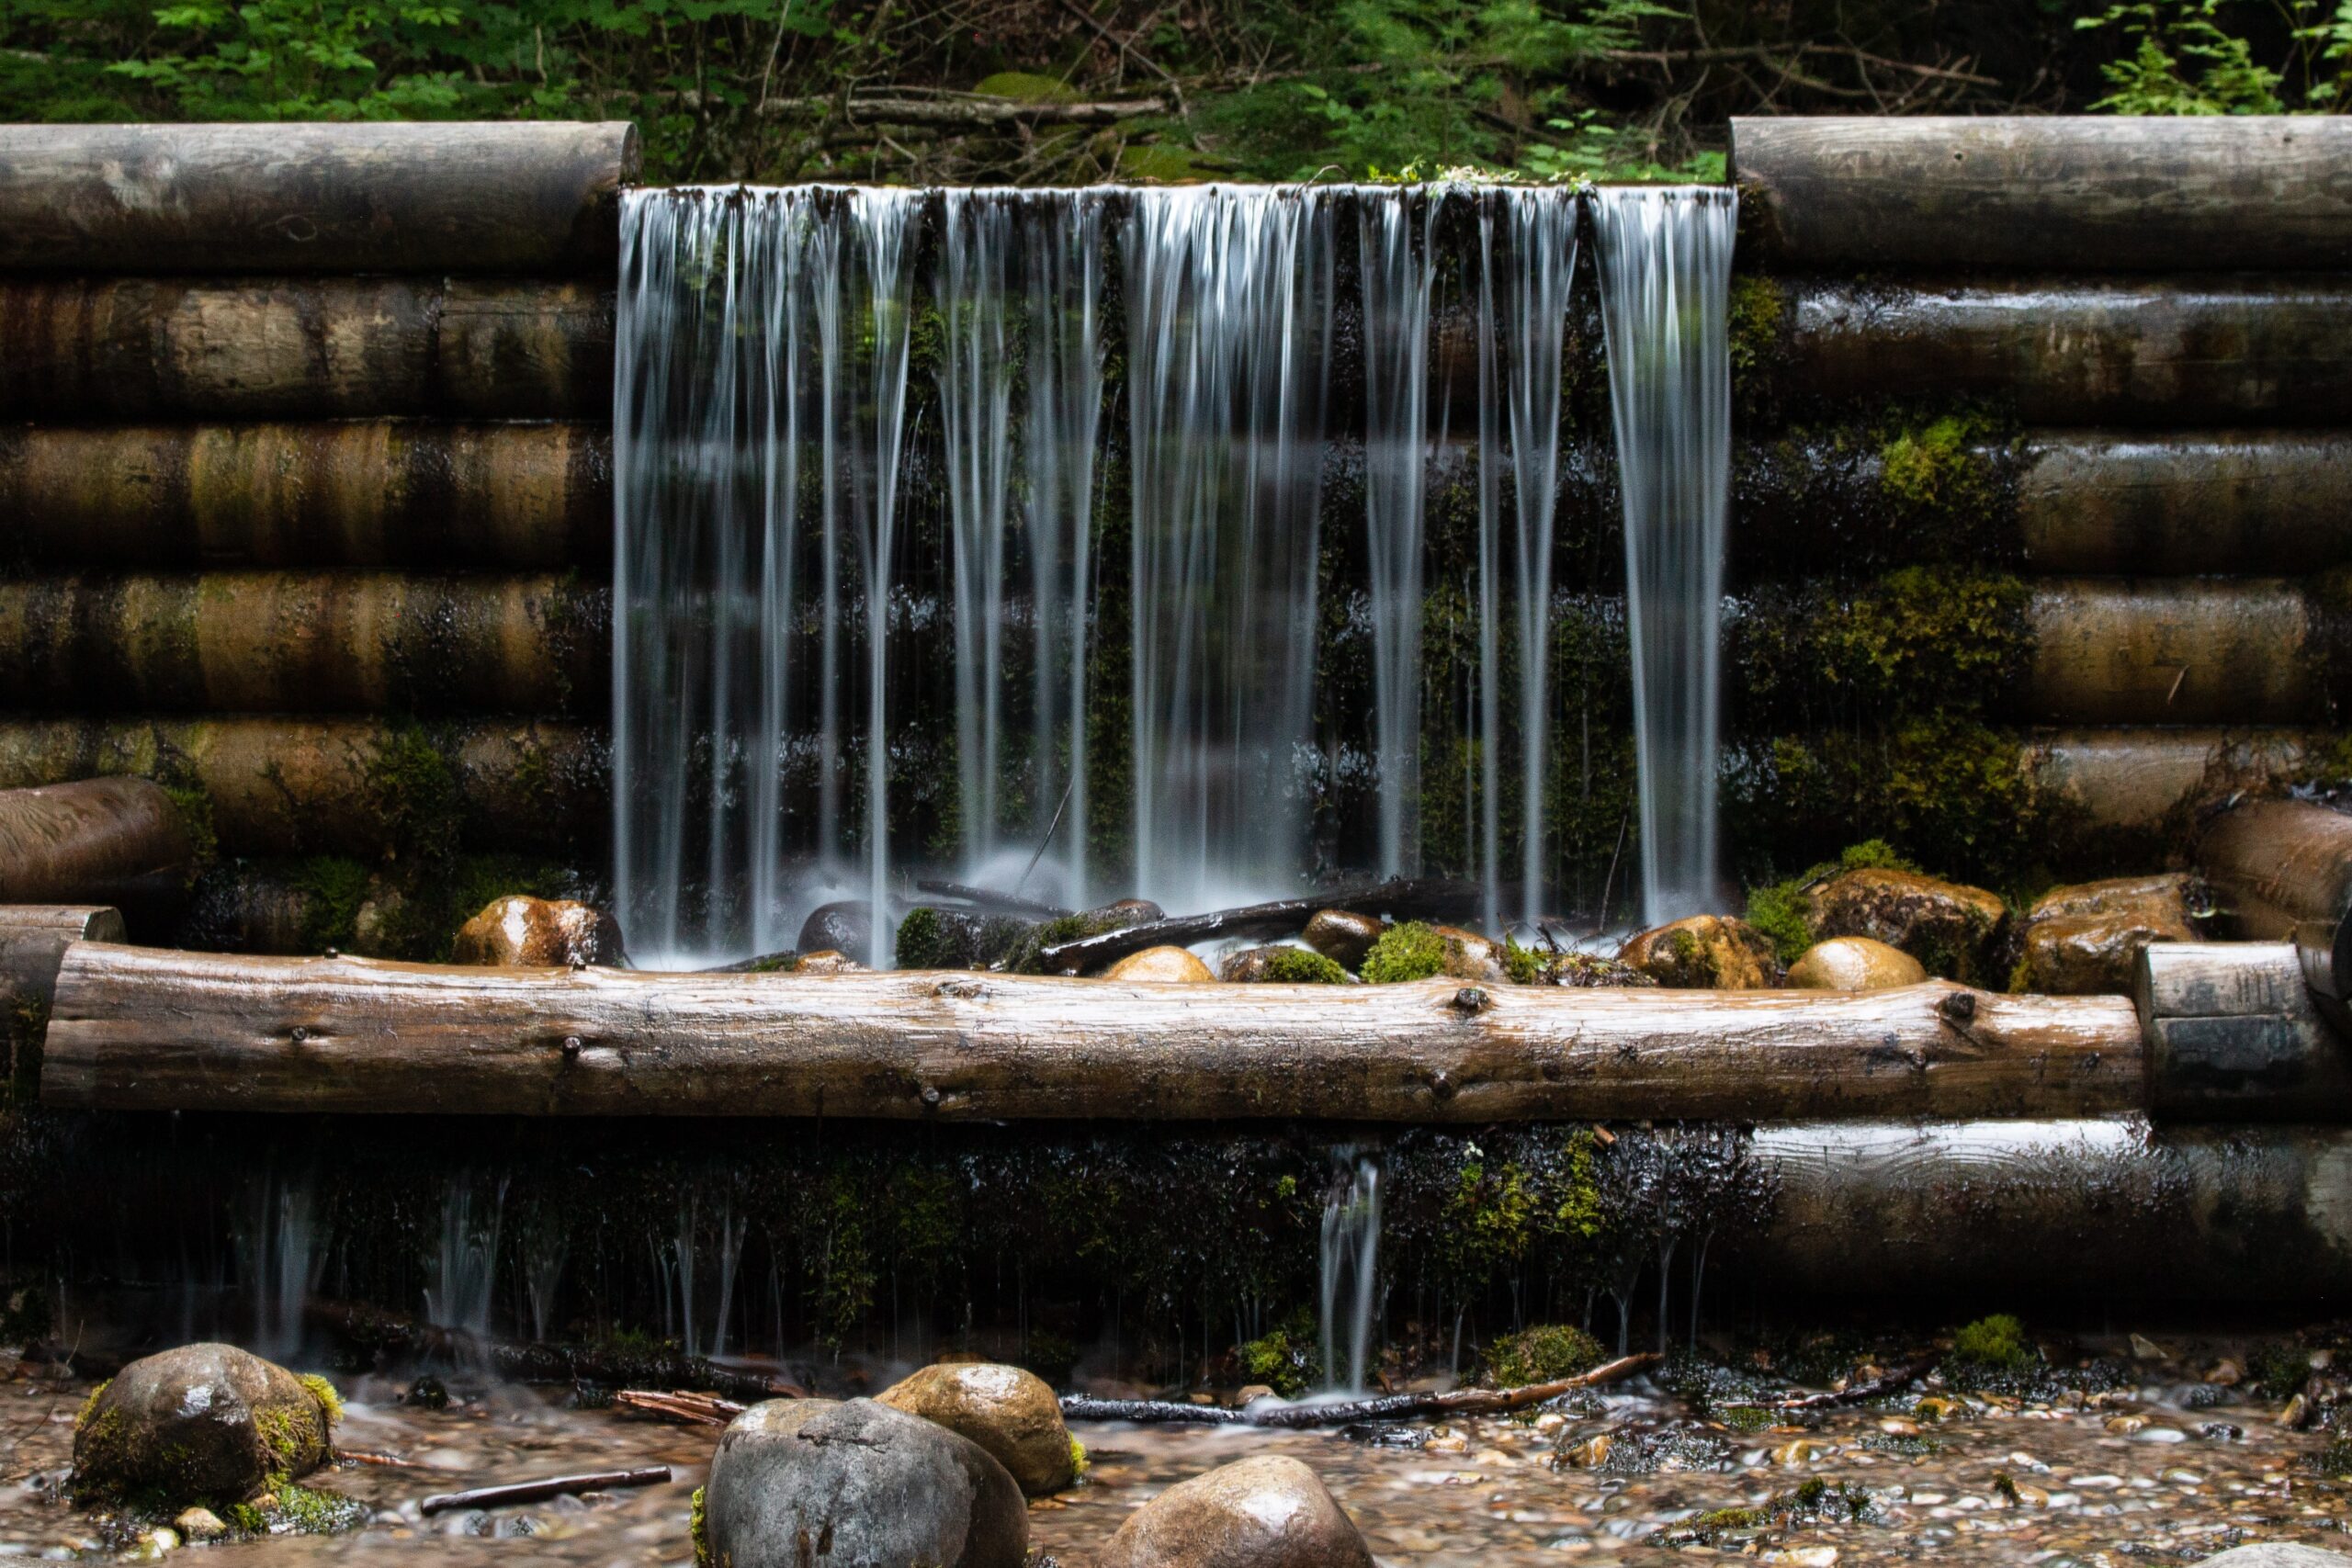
(540, 1491)
(99, 841)
(1404, 899)
(2234, 1035)
(33, 940)
(2281, 871)
(350, 493)
(683, 1409)
(517, 197)
(2136, 782)
(2190, 651)
(142, 349)
(289, 786)
(142, 1028)
(315, 642)
(2092, 193)
(2235, 503)
(1341, 1413)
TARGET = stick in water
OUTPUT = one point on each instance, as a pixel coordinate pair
(540, 1491)
(1387, 1407)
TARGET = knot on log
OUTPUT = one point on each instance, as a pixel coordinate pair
(960, 990)
(1441, 1087)
(571, 1047)
(1471, 1000)
(1958, 1007)
(929, 1094)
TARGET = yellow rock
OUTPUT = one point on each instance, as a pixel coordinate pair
(1705, 953)
(826, 961)
(524, 932)
(1167, 966)
(1855, 964)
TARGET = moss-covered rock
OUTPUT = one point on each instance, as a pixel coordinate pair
(1281, 966)
(1543, 1354)
(1418, 951)
(1713, 953)
(1124, 915)
(933, 938)
(202, 1424)
(2085, 940)
(1948, 926)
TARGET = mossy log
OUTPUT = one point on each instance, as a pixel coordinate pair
(276, 642)
(2231, 193)
(97, 841)
(297, 348)
(514, 197)
(362, 787)
(2281, 871)
(143, 1028)
(2194, 650)
(347, 493)
(2235, 1033)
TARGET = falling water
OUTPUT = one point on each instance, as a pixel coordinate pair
(464, 1263)
(1350, 1256)
(1665, 277)
(1228, 301)
(280, 1261)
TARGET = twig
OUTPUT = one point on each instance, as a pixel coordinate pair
(989, 898)
(361, 1456)
(1048, 839)
(540, 1491)
(1391, 1407)
(686, 1409)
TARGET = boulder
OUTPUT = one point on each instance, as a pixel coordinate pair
(1948, 926)
(1705, 953)
(1009, 1412)
(1854, 964)
(201, 1424)
(857, 1486)
(825, 961)
(523, 932)
(844, 927)
(2086, 939)
(1281, 966)
(1469, 956)
(1270, 1512)
(1165, 964)
(1342, 936)
(935, 938)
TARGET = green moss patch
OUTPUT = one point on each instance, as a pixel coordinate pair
(1412, 951)
(1300, 966)
(1543, 1354)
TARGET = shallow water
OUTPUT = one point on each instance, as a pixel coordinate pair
(1487, 1491)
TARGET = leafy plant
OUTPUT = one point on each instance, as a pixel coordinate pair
(2183, 62)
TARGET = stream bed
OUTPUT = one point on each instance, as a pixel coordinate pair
(2163, 1473)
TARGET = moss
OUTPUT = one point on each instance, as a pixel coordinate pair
(1758, 308)
(90, 1405)
(1078, 1463)
(1298, 966)
(698, 1528)
(194, 803)
(1521, 965)
(330, 1402)
(412, 792)
(1412, 951)
(333, 889)
(1710, 1525)
(1285, 1361)
(245, 1518)
(922, 941)
(2277, 1370)
(1543, 1354)
(1997, 1341)
(1940, 464)
(303, 1511)
(285, 1435)
(1781, 912)
(775, 963)
(1026, 86)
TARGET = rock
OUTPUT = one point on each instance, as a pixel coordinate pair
(1281, 966)
(877, 1487)
(1469, 956)
(825, 961)
(933, 938)
(1173, 965)
(1270, 1512)
(1122, 914)
(2278, 1554)
(1586, 970)
(2085, 940)
(844, 927)
(1854, 964)
(204, 1423)
(1344, 936)
(1707, 953)
(1947, 927)
(522, 933)
(199, 1524)
(1009, 1412)
(1250, 1394)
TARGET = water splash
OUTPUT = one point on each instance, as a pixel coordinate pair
(1351, 1257)
(1665, 277)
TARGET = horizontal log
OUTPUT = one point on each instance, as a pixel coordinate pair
(2281, 871)
(352, 493)
(97, 841)
(295, 348)
(33, 940)
(385, 197)
(2215, 502)
(142, 1028)
(2182, 651)
(2233, 193)
(264, 642)
(361, 787)
(2145, 782)
(2233, 1033)
(2175, 353)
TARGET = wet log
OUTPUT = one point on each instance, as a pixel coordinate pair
(363, 787)
(33, 940)
(2198, 650)
(316, 642)
(1403, 899)
(97, 841)
(2097, 193)
(540, 1491)
(2227, 502)
(2141, 782)
(2234, 1035)
(346, 493)
(515, 196)
(679, 1408)
(136, 349)
(137, 1028)
(1341, 1412)
(2281, 871)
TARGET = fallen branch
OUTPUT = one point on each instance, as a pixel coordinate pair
(1283, 916)
(1388, 1407)
(685, 1409)
(986, 898)
(540, 1491)
(1879, 1387)
(974, 111)
(361, 1456)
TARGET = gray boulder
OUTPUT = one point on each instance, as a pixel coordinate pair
(201, 1424)
(857, 1486)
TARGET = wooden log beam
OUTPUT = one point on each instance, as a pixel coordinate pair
(33, 940)
(2095, 193)
(517, 197)
(2232, 502)
(2233, 1033)
(315, 642)
(139, 1028)
(144, 348)
(2145, 781)
(345, 493)
(2281, 871)
(96, 840)
(2194, 650)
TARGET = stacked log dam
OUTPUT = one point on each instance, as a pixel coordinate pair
(2145, 323)
(304, 439)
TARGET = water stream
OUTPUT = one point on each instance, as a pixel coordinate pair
(1350, 1271)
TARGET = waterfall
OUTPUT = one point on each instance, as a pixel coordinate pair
(1229, 312)
(464, 1265)
(280, 1259)
(1351, 1255)
(1665, 278)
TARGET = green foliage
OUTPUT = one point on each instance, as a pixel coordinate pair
(1782, 911)
(331, 888)
(1285, 1361)
(1543, 1354)
(2182, 60)
(1410, 951)
(329, 1401)
(1996, 1342)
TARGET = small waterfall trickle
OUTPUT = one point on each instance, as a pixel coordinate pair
(1664, 281)
(1351, 1259)
(280, 1261)
(465, 1259)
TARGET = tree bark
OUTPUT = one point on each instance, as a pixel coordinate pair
(2281, 871)
(2240, 650)
(2050, 192)
(137, 1028)
(101, 841)
(347, 493)
(513, 196)
(2233, 1033)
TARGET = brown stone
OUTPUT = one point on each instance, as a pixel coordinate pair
(1344, 936)
(1167, 966)
(201, 1424)
(826, 961)
(1948, 926)
(1269, 1512)
(1469, 956)
(2085, 940)
(1279, 965)
(523, 932)
(1705, 953)
(1854, 964)
(1009, 1413)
